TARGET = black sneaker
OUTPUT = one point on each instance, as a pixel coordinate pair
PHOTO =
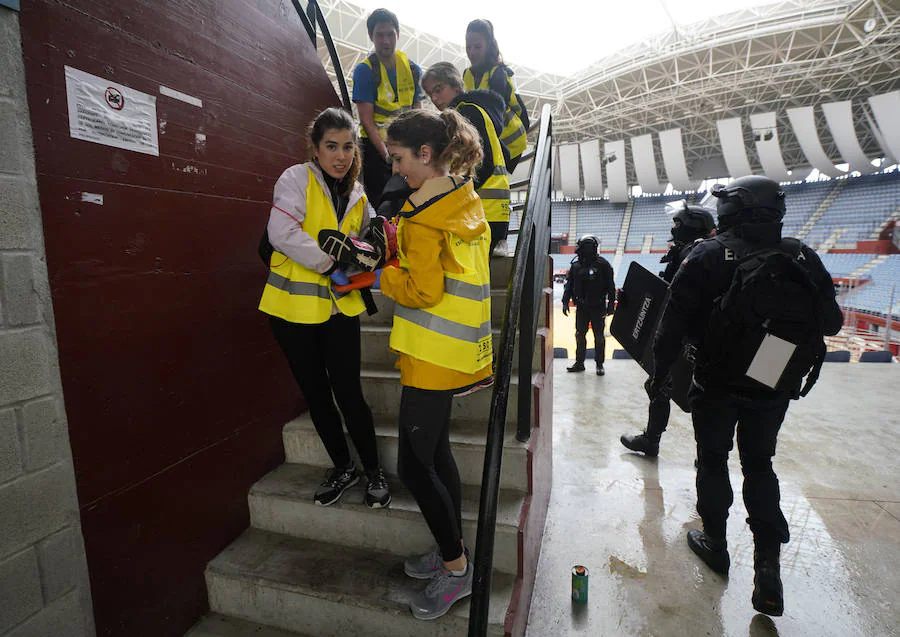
(336, 482)
(577, 367)
(601, 371)
(712, 551)
(377, 494)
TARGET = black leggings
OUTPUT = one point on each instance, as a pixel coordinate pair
(375, 172)
(325, 359)
(426, 465)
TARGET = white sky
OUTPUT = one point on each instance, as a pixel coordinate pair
(556, 38)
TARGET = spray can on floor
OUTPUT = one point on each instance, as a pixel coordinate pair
(580, 584)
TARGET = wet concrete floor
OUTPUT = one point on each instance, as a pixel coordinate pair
(625, 516)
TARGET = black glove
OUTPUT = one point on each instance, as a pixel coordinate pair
(622, 297)
(657, 387)
(610, 307)
(565, 308)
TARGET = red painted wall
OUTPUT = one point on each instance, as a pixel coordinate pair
(175, 391)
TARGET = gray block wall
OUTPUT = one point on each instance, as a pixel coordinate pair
(44, 587)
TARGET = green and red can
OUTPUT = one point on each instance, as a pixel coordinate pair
(580, 584)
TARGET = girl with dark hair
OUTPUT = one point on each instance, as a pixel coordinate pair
(315, 326)
(484, 110)
(441, 331)
(487, 71)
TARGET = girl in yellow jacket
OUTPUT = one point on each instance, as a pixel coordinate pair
(315, 326)
(487, 71)
(441, 330)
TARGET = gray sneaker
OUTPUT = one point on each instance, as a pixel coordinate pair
(424, 566)
(444, 590)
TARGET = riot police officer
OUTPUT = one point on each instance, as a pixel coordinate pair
(691, 224)
(749, 212)
(590, 285)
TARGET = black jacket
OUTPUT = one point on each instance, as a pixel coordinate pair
(677, 253)
(493, 105)
(590, 283)
(706, 274)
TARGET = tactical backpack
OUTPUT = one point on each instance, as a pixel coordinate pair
(771, 293)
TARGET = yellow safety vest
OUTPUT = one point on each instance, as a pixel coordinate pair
(387, 105)
(494, 192)
(514, 133)
(298, 294)
(455, 333)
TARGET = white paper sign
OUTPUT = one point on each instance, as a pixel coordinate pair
(111, 114)
(771, 358)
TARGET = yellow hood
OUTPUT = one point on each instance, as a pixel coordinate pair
(449, 205)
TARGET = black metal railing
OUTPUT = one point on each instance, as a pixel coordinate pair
(523, 301)
(310, 18)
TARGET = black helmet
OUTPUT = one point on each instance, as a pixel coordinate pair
(754, 199)
(586, 247)
(694, 222)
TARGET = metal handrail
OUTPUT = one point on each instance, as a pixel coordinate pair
(522, 304)
(312, 16)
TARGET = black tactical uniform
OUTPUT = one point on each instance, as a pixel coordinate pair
(691, 224)
(590, 285)
(749, 210)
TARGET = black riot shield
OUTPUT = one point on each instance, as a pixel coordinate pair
(634, 325)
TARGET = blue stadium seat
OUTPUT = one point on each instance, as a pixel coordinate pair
(560, 352)
(840, 356)
(621, 354)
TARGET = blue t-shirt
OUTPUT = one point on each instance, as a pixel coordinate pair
(364, 89)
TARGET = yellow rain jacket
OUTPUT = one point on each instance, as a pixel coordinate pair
(442, 328)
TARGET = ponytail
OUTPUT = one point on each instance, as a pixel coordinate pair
(463, 152)
(455, 142)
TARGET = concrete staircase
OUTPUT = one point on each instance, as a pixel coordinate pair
(626, 224)
(831, 241)
(868, 265)
(825, 205)
(306, 571)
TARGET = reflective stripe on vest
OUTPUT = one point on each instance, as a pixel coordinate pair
(388, 105)
(513, 134)
(494, 192)
(300, 295)
(455, 333)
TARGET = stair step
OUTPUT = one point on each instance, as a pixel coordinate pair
(330, 590)
(302, 446)
(376, 353)
(214, 625)
(282, 502)
(382, 389)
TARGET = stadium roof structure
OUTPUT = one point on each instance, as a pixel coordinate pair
(794, 53)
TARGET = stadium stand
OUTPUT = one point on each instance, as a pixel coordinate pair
(649, 261)
(860, 210)
(875, 296)
(844, 265)
(802, 201)
(600, 218)
(649, 218)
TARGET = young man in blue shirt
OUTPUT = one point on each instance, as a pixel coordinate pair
(385, 84)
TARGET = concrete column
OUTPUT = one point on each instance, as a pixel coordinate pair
(44, 587)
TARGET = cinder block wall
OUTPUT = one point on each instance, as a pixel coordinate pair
(44, 588)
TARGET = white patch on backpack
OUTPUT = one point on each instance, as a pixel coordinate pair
(729, 254)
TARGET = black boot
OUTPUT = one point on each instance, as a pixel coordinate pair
(768, 596)
(713, 551)
(577, 367)
(645, 442)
